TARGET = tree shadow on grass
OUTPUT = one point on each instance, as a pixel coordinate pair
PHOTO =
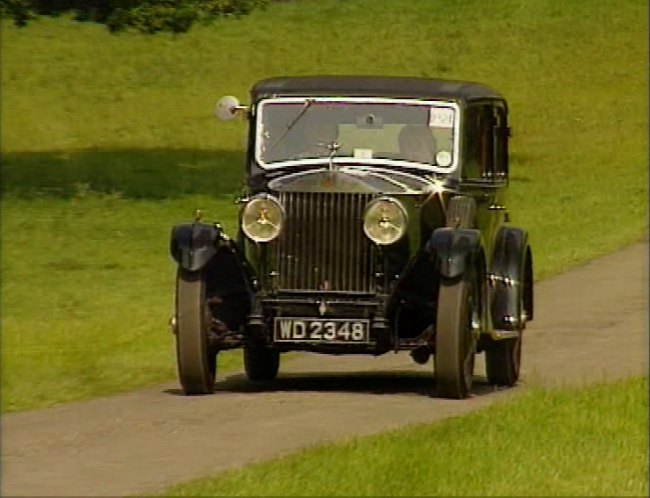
(129, 173)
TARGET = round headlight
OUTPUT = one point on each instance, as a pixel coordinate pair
(385, 221)
(262, 218)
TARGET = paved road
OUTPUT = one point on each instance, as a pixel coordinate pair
(591, 325)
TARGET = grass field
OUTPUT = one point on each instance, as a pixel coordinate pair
(94, 317)
(590, 442)
(108, 140)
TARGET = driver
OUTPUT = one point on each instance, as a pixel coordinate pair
(416, 143)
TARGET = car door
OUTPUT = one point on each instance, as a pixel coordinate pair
(484, 169)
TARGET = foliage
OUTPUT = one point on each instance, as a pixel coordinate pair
(20, 11)
(146, 16)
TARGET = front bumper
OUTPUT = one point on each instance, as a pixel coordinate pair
(372, 308)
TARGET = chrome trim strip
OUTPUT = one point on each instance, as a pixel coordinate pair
(351, 160)
(505, 279)
(504, 334)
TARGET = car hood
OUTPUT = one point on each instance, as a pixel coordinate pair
(357, 179)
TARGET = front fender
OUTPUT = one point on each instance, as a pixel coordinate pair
(192, 245)
(453, 249)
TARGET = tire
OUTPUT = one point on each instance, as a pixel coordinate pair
(197, 362)
(455, 340)
(502, 361)
(455, 343)
(261, 364)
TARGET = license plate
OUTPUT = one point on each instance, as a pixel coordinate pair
(333, 330)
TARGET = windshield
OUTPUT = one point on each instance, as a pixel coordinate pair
(357, 130)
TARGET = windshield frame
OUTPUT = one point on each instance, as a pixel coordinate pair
(352, 160)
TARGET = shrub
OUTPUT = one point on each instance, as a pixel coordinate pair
(145, 16)
(19, 10)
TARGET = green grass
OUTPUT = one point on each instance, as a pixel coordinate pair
(109, 140)
(588, 442)
(87, 296)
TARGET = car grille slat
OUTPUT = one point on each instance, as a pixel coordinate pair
(343, 260)
(323, 247)
(337, 255)
(352, 251)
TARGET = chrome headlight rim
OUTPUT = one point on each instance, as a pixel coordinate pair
(276, 225)
(399, 229)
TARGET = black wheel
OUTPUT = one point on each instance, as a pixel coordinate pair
(455, 340)
(261, 363)
(197, 362)
(502, 361)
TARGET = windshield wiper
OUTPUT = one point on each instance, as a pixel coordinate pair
(302, 112)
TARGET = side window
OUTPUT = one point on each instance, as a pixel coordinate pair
(501, 134)
(479, 142)
(486, 141)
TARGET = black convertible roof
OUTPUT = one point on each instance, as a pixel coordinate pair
(377, 86)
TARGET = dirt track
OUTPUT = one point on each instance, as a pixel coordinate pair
(591, 325)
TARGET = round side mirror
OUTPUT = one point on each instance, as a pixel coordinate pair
(227, 108)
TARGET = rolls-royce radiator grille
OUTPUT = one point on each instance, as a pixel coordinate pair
(323, 247)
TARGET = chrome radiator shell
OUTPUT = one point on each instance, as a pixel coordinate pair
(322, 246)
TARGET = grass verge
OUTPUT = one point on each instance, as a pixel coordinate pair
(587, 442)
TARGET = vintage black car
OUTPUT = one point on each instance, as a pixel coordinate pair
(373, 220)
